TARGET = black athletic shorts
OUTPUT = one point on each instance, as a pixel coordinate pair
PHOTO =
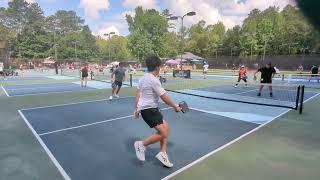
(268, 81)
(84, 75)
(152, 117)
(1, 72)
(116, 83)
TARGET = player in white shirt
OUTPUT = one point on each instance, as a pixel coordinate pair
(148, 93)
(205, 70)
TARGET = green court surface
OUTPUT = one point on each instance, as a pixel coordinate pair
(286, 148)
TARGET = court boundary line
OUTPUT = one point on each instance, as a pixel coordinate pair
(46, 149)
(208, 112)
(69, 104)
(5, 91)
(228, 144)
(91, 124)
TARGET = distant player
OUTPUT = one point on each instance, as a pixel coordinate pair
(117, 76)
(267, 74)
(314, 73)
(84, 76)
(2, 73)
(148, 93)
(205, 70)
(300, 69)
(242, 75)
(234, 68)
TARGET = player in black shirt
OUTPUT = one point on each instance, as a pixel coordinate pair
(314, 73)
(267, 74)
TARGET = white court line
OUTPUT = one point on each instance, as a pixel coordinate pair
(90, 124)
(208, 112)
(68, 104)
(226, 145)
(53, 159)
(5, 91)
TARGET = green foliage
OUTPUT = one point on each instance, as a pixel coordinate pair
(147, 32)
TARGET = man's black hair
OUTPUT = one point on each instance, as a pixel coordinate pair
(152, 62)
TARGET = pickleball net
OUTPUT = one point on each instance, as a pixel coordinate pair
(285, 96)
(308, 80)
(104, 77)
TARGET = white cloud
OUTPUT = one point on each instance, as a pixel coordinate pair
(148, 4)
(31, 1)
(92, 7)
(230, 12)
(107, 28)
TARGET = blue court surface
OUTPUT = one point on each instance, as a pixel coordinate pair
(19, 78)
(33, 89)
(94, 140)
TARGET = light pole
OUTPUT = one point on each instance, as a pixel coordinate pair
(109, 38)
(192, 13)
(75, 49)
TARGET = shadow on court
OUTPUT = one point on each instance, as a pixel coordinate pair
(94, 140)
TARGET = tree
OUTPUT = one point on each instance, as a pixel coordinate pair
(147, 31)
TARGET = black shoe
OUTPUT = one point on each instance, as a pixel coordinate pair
(259, 94)
(271, 95)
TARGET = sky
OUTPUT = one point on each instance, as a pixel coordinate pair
(105, 16)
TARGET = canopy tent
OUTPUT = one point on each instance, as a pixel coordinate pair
(175, 61)
(189, 56)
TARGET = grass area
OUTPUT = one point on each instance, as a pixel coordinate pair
(287, 148)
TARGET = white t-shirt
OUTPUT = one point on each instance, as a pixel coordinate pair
(1, 68)
(150, 92)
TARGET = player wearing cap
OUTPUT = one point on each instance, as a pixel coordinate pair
(146, 103)
(242, 75)
(267, 74)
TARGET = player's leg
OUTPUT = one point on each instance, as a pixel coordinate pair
(260, 89)
(85, 81)
(164, 140)
(82, 81)
(270, 90)
(119, 85)
(245, 81)
(239, 79)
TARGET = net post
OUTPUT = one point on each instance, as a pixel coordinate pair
(298, 97)
(301, 100)
(131, 80)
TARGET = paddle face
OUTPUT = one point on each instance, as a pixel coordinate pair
(184, 107)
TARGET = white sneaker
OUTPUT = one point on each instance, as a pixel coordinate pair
(116, 96)
(163, 158)
(139, 147)
(111, 97)
(235, 86)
